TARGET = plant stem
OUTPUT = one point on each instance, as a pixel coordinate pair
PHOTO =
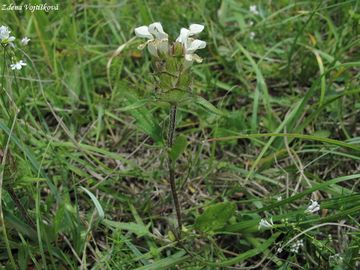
(2, 220)
(170, 140)
(2, 96)
(23, 212)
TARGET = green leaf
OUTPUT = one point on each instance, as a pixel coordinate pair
(215, 217)
(59, 219)
(166, 263)
(138, 229)
(138, 104)
(175, 96)
(291, 135)
(322, 133)
(207, 105)
(178, 147)
(96, 203)
(144, 118)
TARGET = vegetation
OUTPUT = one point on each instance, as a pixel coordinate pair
(266, 150)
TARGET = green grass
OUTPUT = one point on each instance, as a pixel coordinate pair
(82, 138)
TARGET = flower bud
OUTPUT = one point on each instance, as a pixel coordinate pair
(178, 49)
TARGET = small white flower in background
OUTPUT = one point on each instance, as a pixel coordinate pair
(313, 207)
(158, 39)
(336, 259)
(5, 35)
(191, 44)
(18, 65)
(253, 9)
(25, 41)
(296, 246)
(252, 35)
(251, 23)
(264, 224)
(279, 198)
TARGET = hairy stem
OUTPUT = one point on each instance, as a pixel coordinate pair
(23, 212)
(2, 96)
(170, 140)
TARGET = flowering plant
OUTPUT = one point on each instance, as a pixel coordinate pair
(7, 40)
(172, 63)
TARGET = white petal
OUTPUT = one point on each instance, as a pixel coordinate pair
(196, 29)
(25, 40)
(152, 48)
(143, 32)
(196, 45)
(11, 39)
(184, 34)
(157, 30)
(16, 66)
(189, 57)
(197, 58)
(163, 46)
(253, 9)
(4, 32)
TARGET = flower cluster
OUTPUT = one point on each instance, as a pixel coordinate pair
(157, 39)
(313, 207)
(264, 224)
(158, 43)
(172, 60)
(336, 259)
(296, 246)
(253, 9)
(7, 39)
(191, 44)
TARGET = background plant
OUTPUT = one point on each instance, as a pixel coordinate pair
(86, 142)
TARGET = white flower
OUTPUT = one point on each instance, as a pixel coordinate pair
(158, 39)
(252, 35)
(18, 65)
(5, 35)
(251, 23)
(191, 44)
(279, 198)
(264, 224)
(253, 9)
(336, 259)
(296, 246)
(25, 41)
(313, 207)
